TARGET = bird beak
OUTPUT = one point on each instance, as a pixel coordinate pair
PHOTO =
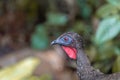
(55, 42)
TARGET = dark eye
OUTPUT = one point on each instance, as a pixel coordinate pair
(66, 38)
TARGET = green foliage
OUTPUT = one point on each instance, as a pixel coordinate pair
(79, 27)
(116, 66)
(114, 3)
(110, 9)
(107, 10)
(56, 19)
(19, 71)
(117, 50)
(85, 8)
(39, 39)
(107, 30)
(86, 11)
(106, 35)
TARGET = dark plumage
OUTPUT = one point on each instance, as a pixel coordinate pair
(72, 44)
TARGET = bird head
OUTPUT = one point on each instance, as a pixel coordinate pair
(69, 42)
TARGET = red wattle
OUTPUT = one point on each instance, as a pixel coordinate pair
(71, 52)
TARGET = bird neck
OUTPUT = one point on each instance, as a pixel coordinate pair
(84, 69)
(82, 59)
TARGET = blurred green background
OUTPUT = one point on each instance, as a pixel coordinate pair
(35, 23)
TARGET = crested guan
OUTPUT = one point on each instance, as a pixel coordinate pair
(72, 45)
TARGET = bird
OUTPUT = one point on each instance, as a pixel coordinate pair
(72, 46)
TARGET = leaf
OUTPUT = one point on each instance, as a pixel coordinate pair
(56, 19)
(86, 11)
(114, 3)
(107, 10)
(116, 66)
(117, 50)
(107, 30)
(19, 71)
(39, 39)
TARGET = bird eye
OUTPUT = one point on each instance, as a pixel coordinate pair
(66, 39)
